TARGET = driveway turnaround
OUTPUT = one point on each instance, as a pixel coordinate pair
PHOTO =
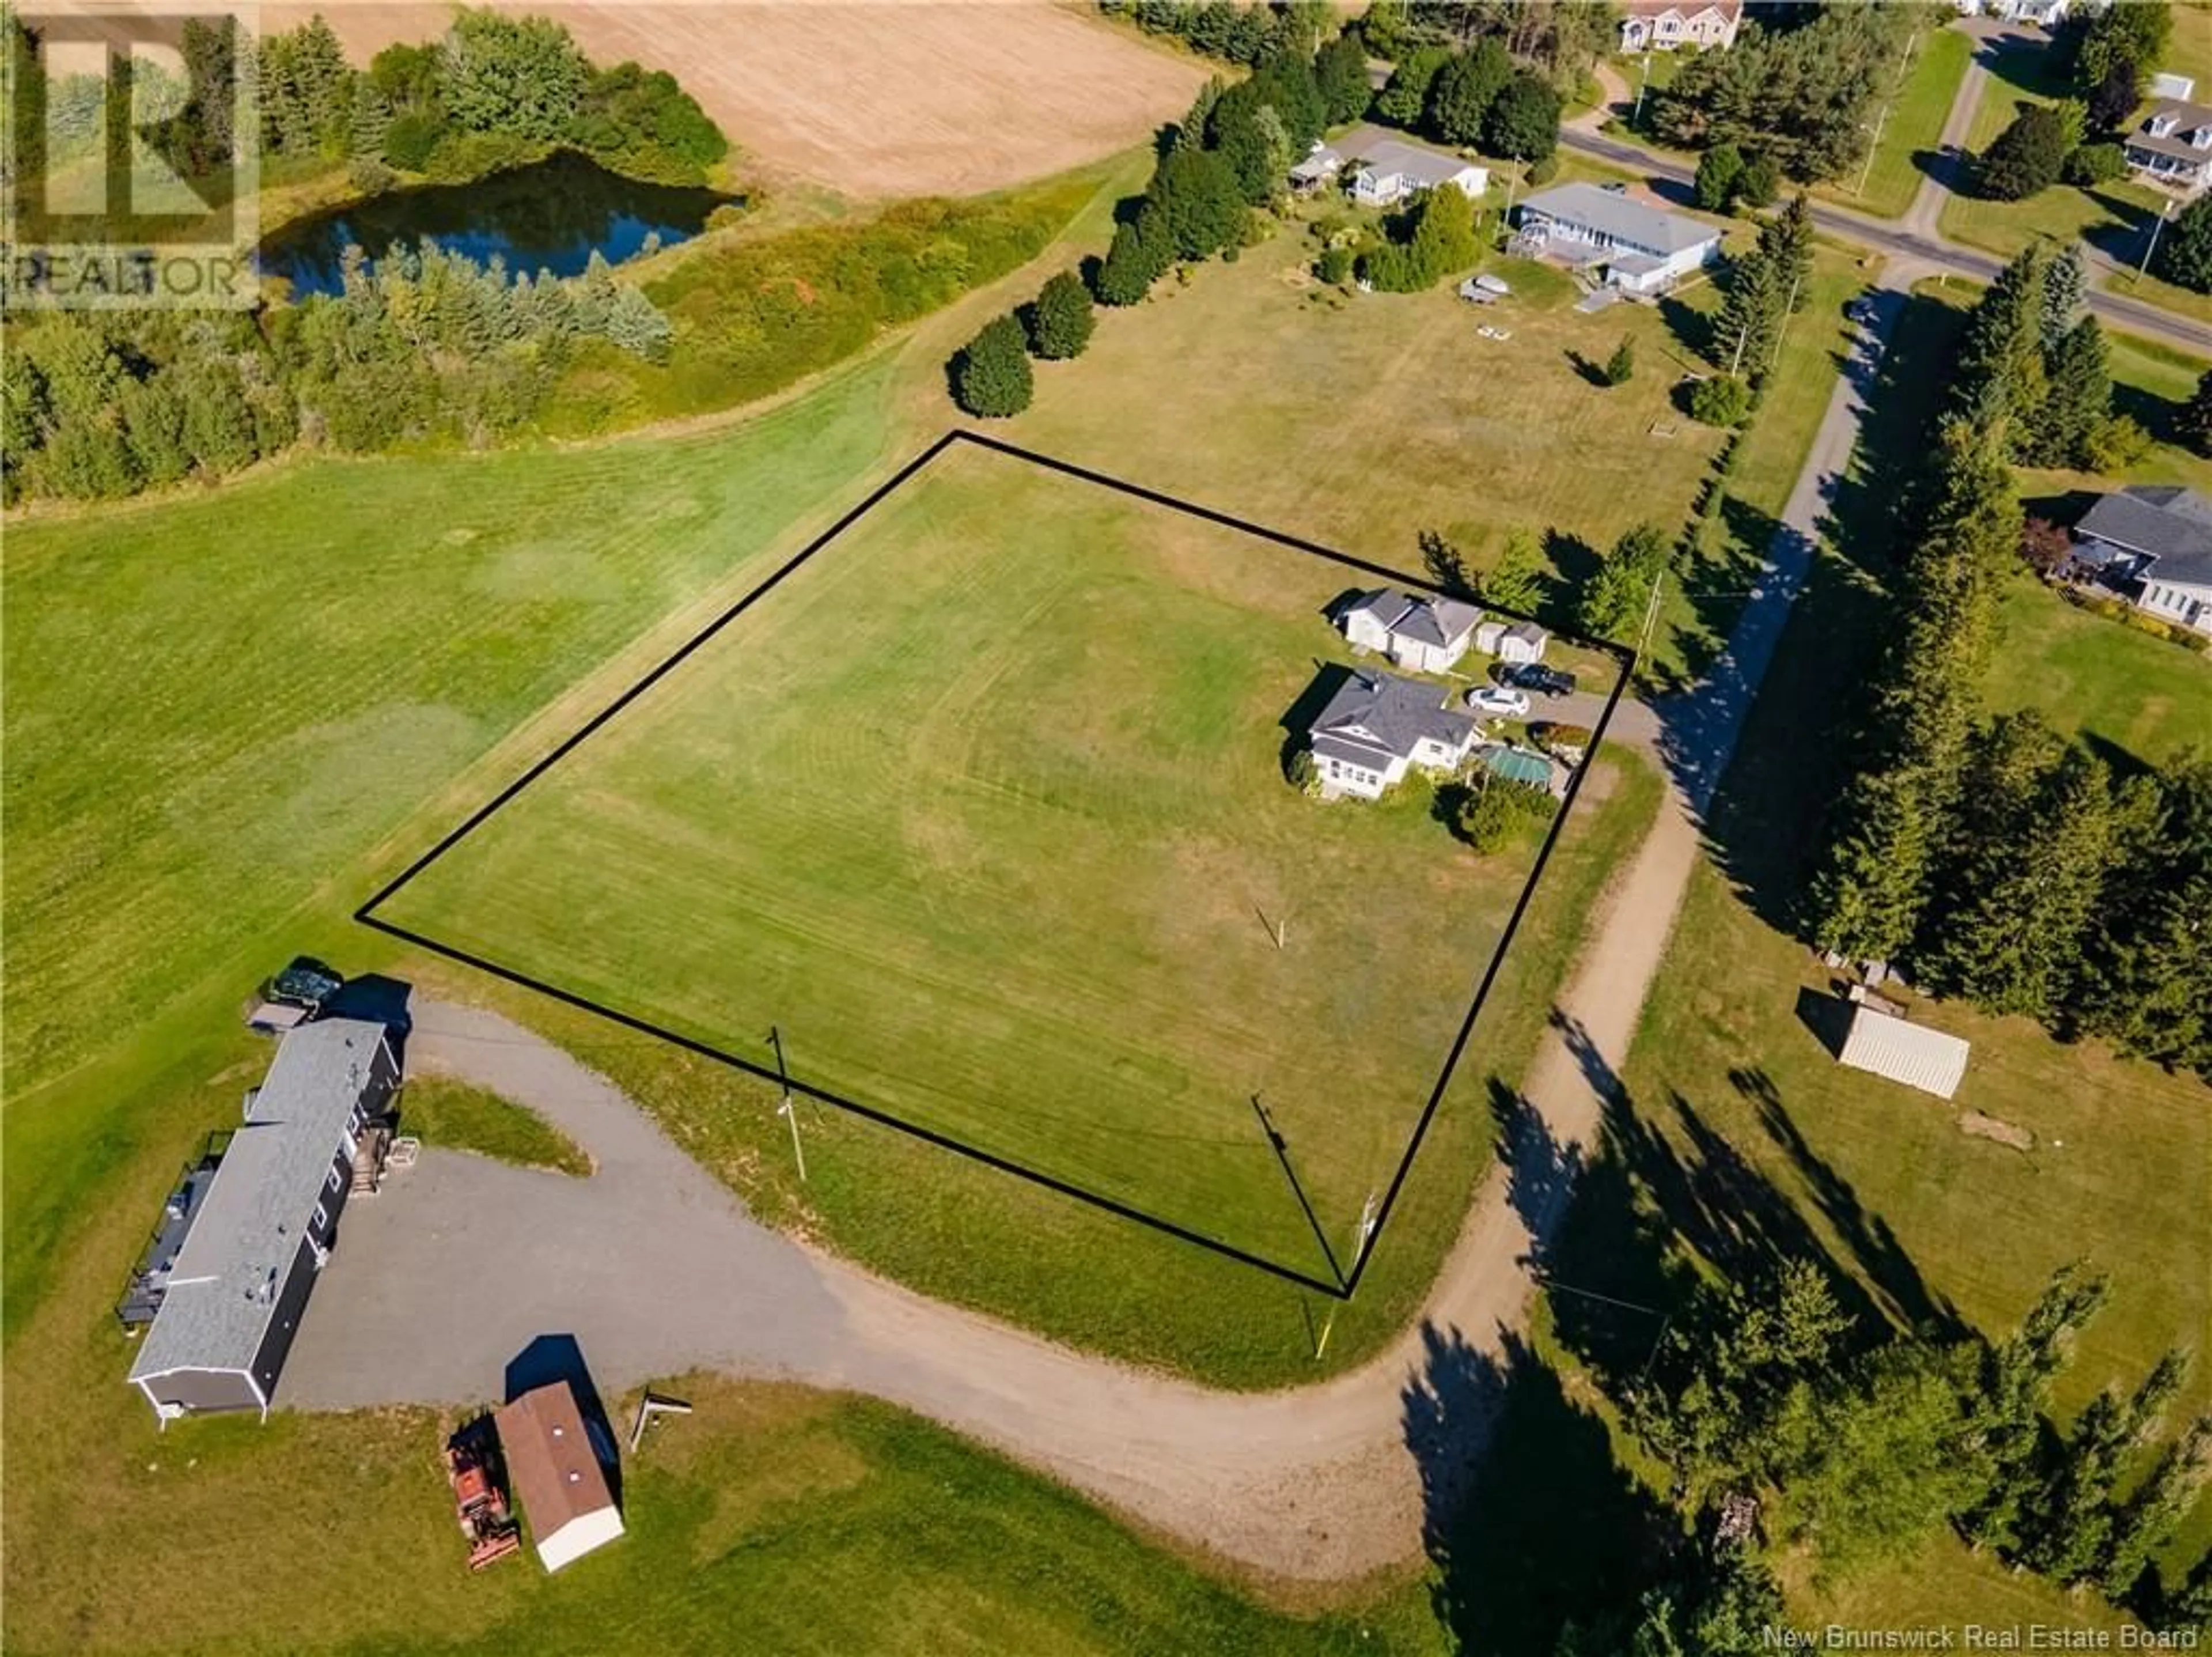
(654, 1267)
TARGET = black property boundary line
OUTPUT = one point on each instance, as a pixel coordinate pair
(1343, 1287)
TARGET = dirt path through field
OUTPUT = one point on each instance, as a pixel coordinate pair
(874, 101)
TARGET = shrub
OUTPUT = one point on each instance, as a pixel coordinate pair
(371, 177)
(410, 139)
(1302, 774)
(1544, 171)
(2185, 254)
(1061, 321)
(1759, 182)
(1493, 813)
(991, 377)
(2025, 158)
(1720, 174)
(2116, 444)
(1336, 266)
(1721, 400)
(2094, 163)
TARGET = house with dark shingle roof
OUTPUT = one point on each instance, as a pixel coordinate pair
(1386, 168)
(2173, 145)
(2152, 542)
(1377, 726)
(1427, 633)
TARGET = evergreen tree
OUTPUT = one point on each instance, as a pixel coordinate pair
(2149, 1518)
(2065, 284)
(1340, 72)
(1191, 130)
(1141, 249)
(1787, 241)
(2150, 955)
(1613, 604)
(2194, 423)
(2077, 399)
(2014, 1392)
(1720, 171)
(992, 376)
(2000, 373)
(1404, 96)
(2184, 252)
(1620, 367)
(1061, 320)
(1750, 314)
(371, 115)
(1523, 123)
(1516, 582)
(2025, 158)
(1464, 90)
(1197, 196)
(2134, 34)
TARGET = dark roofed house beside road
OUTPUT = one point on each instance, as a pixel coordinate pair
(233, 1293)
(2153, 543)
(1377, 726)
(2172, 145)
(1428, 633)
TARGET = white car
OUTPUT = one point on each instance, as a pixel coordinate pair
(1498, 699)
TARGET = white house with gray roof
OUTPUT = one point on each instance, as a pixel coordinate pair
(2172, 145)
(1377, 726)
(1634, 247)
(1387, 167)
(2152, 542)
(241, 1279)
(1428, 633)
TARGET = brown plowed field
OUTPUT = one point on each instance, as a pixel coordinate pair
(873, 100)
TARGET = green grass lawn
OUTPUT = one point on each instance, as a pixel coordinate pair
(1911, 129)
(773, 1519)
(983, 808)
(455, 1116)
(2116, 217)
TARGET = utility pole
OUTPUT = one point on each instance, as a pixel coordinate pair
(1367, 1217)
(1866, 172)
(789, 1109)
(1782, 327)
(1636, 115)
(1650, 615)
(2165, 212)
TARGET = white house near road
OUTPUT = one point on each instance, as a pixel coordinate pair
(1386, 168)
(1664, 25)
(1377, 726)
(2172, 145)
(1640, 248)
(1428, 633)
(2152, 542)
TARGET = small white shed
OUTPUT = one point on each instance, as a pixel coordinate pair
(1910, 1053)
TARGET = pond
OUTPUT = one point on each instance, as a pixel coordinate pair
(552, 216)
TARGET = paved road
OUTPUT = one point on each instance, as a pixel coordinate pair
(655, 1268)
(1927, 251)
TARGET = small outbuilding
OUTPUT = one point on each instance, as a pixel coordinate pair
(1910, 1053)
(557, 1473)
(1517, 643)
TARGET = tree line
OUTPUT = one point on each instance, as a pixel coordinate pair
(1770, 1398)
(1801, 98)
(1996, 860)
(1222, 28)
(99, 405)
(1476, 97)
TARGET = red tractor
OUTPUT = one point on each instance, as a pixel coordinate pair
(487, 1519)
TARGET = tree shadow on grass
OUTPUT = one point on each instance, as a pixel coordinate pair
(1530, 1520)
(1574, 560)
(1693, 329)
(1592, 373)
(1298, 720)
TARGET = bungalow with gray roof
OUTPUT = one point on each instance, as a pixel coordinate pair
(1427, 633)
(240, 1281)
(2154, 544)
(1386, 168)
(1637, 248)
(1377, 726)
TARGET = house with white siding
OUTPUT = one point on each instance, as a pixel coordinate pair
(2152, 544)
(1598, 228)
(1376, 726)
(1382, 168)
(1667, 25)
(1427, 632)
(2173, 145)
